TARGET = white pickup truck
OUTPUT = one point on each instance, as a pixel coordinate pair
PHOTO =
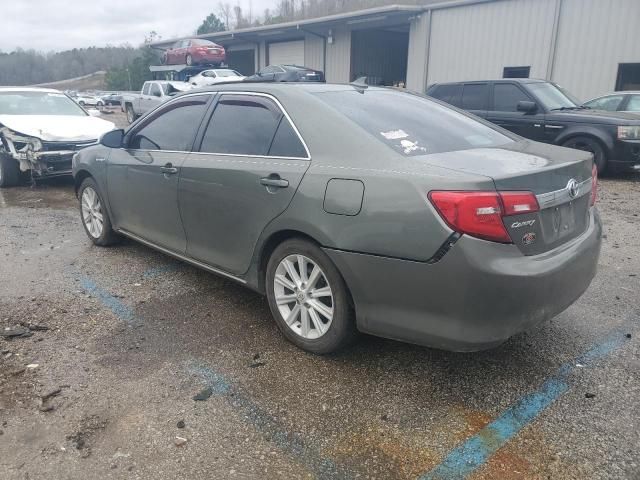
(153, 93)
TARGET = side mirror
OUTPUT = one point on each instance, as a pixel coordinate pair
(527, 106)
(112, 139)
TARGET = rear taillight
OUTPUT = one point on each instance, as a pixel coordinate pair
(480, 214)
(594, 184)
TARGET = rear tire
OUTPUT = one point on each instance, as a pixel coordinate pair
(131, 115)
(9, 172)
(317, 307)
(592, 145)
(94, 216)
(188, 60)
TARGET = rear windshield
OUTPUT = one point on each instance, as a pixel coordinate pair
(410, 124)
(204, 43)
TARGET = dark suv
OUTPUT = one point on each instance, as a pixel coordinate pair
(544, 112)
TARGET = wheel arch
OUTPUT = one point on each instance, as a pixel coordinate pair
(593, 133)
(80, 177)
(268, 246)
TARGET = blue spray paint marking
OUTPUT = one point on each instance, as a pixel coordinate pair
(121, 311)
(161, 270)
(475, 451)
(270, 427)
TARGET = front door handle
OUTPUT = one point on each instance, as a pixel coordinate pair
(169, 169)
(274, 180)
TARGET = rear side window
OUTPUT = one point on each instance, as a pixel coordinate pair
(412, 125)
(246, 125)
(155, 90)
(448, 93)
(634, 104)
(173, 128)
(145, 89)
(506, 97)
(286, 142)
(475, 96)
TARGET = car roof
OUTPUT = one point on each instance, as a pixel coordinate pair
(498, 80)
(275, 88)
(29, 89)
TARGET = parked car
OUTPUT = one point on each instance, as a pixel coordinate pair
(194, 51)
(286, 73)
(544, 112)
(88, 100)
(616, 102)
(112, 99)
(151, 95)
(40, 130)
(353, 208)
(213, 76)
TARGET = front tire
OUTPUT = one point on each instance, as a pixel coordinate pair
(9, 172)
(589, 144)
(188, 60)
(94, 215)
(308, 298)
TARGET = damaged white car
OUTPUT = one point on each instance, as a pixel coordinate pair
(40, 131)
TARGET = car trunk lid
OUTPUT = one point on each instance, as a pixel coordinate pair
(559, 178)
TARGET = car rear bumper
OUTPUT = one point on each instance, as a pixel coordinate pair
(208, 58)
(477, 296)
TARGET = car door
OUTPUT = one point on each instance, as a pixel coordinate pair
(248, 167)
(504, 112)
(154, 97)
(143, 176)
(475, 98)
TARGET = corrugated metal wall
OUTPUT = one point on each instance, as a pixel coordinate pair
(339, 57)
(594, 36)
(314, 52)
(477, 41)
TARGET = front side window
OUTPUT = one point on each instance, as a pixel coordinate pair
(475, 96)
(145, 88)
(506, 97)
(247, 125)
(412, 125)
(173, 128)
(610, 104)
(155, 90)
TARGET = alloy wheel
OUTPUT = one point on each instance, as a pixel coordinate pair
(303, 296)
(92, 212)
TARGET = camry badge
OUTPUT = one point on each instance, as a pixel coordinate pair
(528, 238)
(573, 188)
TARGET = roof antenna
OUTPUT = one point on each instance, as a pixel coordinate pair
(360, 84)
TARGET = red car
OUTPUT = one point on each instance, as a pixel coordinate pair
(194, 52)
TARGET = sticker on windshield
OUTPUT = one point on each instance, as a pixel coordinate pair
(394, 134)
(411, 147)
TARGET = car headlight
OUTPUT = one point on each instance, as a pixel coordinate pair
(629, 133)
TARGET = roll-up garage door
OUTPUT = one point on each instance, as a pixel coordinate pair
(286, 53)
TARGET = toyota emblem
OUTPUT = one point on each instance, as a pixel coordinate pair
(573, 188)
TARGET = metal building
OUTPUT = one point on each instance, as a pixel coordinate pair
(589, 47)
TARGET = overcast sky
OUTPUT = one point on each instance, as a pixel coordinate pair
(59, 25)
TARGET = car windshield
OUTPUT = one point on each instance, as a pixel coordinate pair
(412, 124)
(38, 103)
(552, 96)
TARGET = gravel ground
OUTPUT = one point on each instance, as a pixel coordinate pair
(107, 390)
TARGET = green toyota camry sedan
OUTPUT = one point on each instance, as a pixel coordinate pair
(353, 209)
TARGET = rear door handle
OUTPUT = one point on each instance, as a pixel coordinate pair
(274, 180)
(169, 169)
